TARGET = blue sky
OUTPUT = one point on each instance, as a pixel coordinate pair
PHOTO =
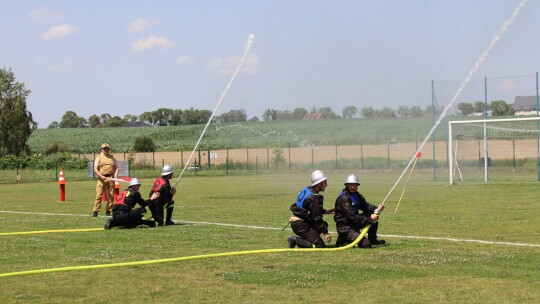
(128, 57)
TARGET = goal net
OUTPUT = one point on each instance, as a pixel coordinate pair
(502, 148)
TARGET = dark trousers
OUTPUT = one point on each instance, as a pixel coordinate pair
(158, 211)
(347, 235)
(130, 219)
(309, 237)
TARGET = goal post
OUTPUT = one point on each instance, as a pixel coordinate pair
(475, 143)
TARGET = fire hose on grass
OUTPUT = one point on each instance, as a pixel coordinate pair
(186, 258)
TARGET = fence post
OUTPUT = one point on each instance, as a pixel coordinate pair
(93, 173)
(336, 158)
(361, 156)
(514, 152)
(209, 165)
(312, 165)
(268, 159)
(416, 150)
(153, 162)
(227, 162)
(182, 158)
(447, 156)
(256, 165)
(277, 160)
(247, 159)
(289, 157)
(388, 153)
(479, 157)
(200, 165)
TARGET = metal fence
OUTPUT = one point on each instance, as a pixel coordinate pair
(486, 90)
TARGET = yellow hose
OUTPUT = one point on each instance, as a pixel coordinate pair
(187, 258)
(50, 231)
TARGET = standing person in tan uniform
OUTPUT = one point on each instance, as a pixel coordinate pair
(105, 166)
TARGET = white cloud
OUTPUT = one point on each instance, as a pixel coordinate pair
(183, 59)
(45, 15)
(58, 32)
(64, 66)
(139, 25)
(145, 44)
(226, 67)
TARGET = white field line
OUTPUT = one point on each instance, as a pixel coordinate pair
(274, 228)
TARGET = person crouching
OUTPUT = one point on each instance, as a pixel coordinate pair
(352, 213)
(307, 219)
(124, 211)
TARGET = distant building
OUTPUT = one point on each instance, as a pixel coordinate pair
(524, 105)
(480, 114)
(136, 124)
(313, 116)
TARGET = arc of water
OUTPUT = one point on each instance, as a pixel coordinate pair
(481, 59)
(247, 48)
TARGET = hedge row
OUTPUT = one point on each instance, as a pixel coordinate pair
(38, 161)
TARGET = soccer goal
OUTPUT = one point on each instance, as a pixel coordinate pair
(507, 145)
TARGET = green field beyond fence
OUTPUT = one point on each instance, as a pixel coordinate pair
(279, 134)
(295, 146)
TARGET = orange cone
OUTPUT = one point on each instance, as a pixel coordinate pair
(62, 183)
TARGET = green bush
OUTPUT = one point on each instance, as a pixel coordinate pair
(56, 147)
(144, 143)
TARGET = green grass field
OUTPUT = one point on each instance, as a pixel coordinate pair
(426, 269)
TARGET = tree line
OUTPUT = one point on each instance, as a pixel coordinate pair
(497, 108)
(177, 117)
(159, 117)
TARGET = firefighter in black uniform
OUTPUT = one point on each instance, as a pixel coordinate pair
(165, 200)
(124, 211)
(349, 220)
(307, 219)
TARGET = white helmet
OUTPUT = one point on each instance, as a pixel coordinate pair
(318, 176)
(352, 179)
(134, 181)
(167, 169)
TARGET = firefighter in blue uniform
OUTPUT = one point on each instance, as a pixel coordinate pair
(307, 219)
(165, 200)
(124, 211)
(352, 213)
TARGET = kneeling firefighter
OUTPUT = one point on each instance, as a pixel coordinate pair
(165, 200)
(307, 219)
(353, 213)
(124, 211)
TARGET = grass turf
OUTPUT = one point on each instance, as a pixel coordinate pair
(404, 271)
